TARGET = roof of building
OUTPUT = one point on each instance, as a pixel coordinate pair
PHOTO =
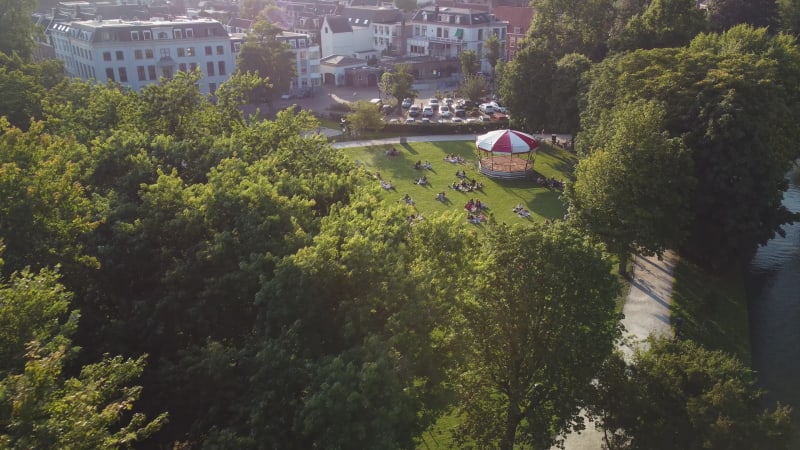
(122, 30)
(338, 24)
(367, 15)
(241, 23)
(517, 16)
(460, 16)
(342, 61)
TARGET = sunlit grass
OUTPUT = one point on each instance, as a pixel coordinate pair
(501, 196)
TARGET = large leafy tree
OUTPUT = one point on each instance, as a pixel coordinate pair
(565, 26)
(263, 54)
(789, 16)
(725, 14)
(41, 406)
(398, 82)
(665, 23)
(17, 28)
(470, 62)
(677, 394)
(541, 319)
(474, 87)
(733, 99)
(634, 191)
(526, 87)
(569, 86)
(364, 116)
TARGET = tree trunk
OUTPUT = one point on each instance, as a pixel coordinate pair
(513, 417)
(624, 258)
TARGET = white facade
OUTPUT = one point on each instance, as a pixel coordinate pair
(446, 32)
(307, 56)
(336, 40)
(138, 53)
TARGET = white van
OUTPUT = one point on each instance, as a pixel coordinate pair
(486, 108)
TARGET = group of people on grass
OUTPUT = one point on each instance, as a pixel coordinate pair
(453, 158)
(419, 165)
(521, 211)
(475, 205)
(466, 186)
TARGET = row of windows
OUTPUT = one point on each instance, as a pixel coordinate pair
(164, 52)
(381, 29)
(382, 41)
(444, 32)
(177, 33)
(149, 73)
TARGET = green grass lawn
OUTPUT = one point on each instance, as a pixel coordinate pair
(713, 309)
(501, 196)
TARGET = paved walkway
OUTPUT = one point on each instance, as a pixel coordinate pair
(646, 312)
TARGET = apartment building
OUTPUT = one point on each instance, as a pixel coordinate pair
(138, 53)
(444, 32)
(306, 59)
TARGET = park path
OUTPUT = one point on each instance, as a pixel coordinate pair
(647, 311)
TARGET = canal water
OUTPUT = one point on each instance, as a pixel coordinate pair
(773, 285)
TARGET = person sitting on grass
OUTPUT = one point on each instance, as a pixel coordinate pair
(440, 196)
(460, 174)
(422, 181)
(524, 214)
(408, 200)
(518, 208)
(418, 165)
(427, 165)
(387, 185)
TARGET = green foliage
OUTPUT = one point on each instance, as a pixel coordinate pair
(42, 407)
(541, 319)
(17, 28)
(678, 394)
(470, 62)
(398, 83)
(263, 54)
(364, 116)
(733, 100)
(526, 87)
(789, 16)
(665, 23)
(492, 47)
(725, 14)
(569, 86)
(406, 5)
(474, 87)
(561, 27)
(633, 191)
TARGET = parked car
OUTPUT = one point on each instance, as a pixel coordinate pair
(410, 120)
(448, 101)
(407, 102)
(425, 121)
(445, 112)
(498, 117)
(427, 111)
(458, 120)
(434, 103)
(413, 111)
(497, 107)
(486, 108)
(460, 112)
(484, 118)
(465, 104)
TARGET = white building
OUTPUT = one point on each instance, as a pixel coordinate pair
(363, 32)
(339, 37)
(307, 56)
(445, 32)
(138, 53)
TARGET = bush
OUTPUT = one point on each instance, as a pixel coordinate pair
(341, 107)
(443, 128)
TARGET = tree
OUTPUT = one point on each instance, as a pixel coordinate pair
(398, 83)
(263, 54)
(541, 319)
(364, 116)
(665, 23)
(406, 5)
(736, 112)
(725, 14)
(677, 394)
(42, 407)
(17, 28)
(526, 87)
(493, 55)
(634, 192)
(470, 63)
(563, 26)
(474, 87)
(569, 87)
(789, 16)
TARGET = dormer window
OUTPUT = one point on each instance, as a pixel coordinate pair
(162, 35)
(134, 35)
(147, 35)
(189, 33)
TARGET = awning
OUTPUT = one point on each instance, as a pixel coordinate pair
(459, 33)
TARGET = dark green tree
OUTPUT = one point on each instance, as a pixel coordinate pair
(364, 116)
(17, 29)
(564, 26)
(789, 16)
(541, 321)
(634, 192)
(398, 83)
(263, 54)
(526, 87)
(665, 23)
(470, 63)
(474, 87)
(677, 394)
(569, 87)
(725, 14)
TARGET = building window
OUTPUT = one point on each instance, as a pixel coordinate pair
(162, 35)
(138, 54)
(237, 46)
(151, 72)
(210, 68)
(375, 40)
(480, 34)
(110, 74)
(439, 32)
(123, 75)
(120, 55)
(220, 50)
(166, 72)
(182, 67)
(189, 33)
(134, 35)
(375, 29)
(189, 51)
(301, 43)
(193, 66)
(148, 53)
(147, 35)
(221, 67)
(181, 52)
(212, 88)
(106, 56)
(140, 73)
(447, 33)
(178, 34)
(208, 50)
(164, 53)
